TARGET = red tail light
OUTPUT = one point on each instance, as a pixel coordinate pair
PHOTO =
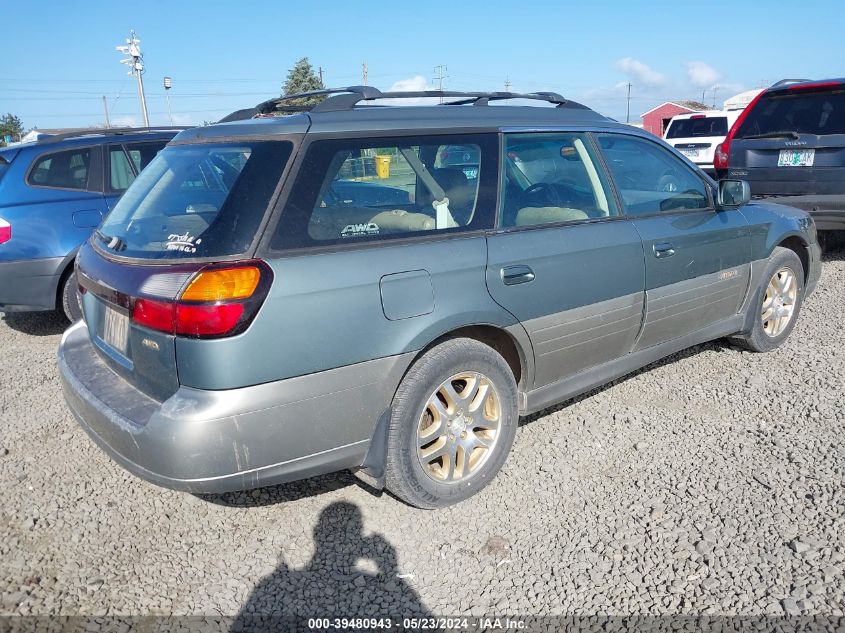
(218, 300)
(722, 155)
(5, 231)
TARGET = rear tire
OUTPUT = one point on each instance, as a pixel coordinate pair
(454, 419)
(71, 305)
(777, 304)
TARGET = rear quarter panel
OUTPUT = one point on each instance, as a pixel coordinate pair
(326, 310)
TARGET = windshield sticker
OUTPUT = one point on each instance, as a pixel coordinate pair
(356, 230)
(183, 243)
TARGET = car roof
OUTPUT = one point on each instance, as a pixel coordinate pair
(94, 137)
(786, 85)
(410, 119)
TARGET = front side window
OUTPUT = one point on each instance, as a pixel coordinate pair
(650, 178)
(64, 170)
(552, 178)
(200, 200)
(359, 190)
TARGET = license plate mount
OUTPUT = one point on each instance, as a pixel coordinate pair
(116, 329)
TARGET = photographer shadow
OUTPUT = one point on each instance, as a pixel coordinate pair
(332, 584)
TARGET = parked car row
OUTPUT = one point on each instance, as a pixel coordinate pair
(788, 143)
(53, 194)
(251, 315)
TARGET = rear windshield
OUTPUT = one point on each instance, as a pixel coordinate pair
(820, 112)
(196, 201)
(692, 128)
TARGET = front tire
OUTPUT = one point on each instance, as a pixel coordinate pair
(453, 422)
(778, 302)
(71, 305)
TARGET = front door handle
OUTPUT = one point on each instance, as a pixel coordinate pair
(513, 275)
(664, 249)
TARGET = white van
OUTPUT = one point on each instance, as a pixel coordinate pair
(697, 134)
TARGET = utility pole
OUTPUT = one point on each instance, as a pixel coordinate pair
(320, 72)
(440, 69)
(364, 74)
(168, 84)
(628, 114)
(507, 83)
(135, 61)
(106, 110)
(715, 88)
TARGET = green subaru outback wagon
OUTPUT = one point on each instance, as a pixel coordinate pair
(388, 288)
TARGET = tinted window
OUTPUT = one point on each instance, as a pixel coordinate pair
(820, 112)
(196, 201)
(650, 178)
(692, 128)
(121, 171)
(66, 170)
(121, 174)
(552, 178)
(360, 190)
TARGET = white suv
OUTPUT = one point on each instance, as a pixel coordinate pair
(696, 135)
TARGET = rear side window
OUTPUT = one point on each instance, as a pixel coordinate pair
(698, 127)
(64, 170)
(4, 167)
(368, 189)
(201, 200)
(821, 112)
(551, 178)
(651, 179)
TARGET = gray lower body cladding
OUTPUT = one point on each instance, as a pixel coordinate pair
(216, 441)
(29, 284)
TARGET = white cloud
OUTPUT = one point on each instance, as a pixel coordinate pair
(641, 73)
(124, 121)
(417, 83)
(701, 75)
(411, 84)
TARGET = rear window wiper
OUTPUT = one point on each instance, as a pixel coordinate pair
(788, 133)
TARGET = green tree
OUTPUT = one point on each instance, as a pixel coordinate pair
(11, 125)
(302, 78)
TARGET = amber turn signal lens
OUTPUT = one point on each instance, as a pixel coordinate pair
(222, 284)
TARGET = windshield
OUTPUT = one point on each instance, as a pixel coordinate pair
(692, 128)
(819, 112)
(196, 201)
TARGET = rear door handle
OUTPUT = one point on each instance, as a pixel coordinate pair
(513, 275)
(664, 249)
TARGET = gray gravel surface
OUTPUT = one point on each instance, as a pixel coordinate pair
(711, 482)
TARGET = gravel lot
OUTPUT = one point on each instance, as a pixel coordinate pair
(710, 483)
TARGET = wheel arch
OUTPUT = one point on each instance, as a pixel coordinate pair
(799, 246)
(66, 268)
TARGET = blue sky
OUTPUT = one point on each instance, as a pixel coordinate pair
(59, 58)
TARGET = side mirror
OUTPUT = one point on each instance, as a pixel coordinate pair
(733, 194)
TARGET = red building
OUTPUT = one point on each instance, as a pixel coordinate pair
(657, 119)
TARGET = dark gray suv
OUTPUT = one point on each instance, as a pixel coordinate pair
(253, 316)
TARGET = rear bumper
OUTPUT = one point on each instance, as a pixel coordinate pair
(30, 284)
(828, 211)
(217, 441)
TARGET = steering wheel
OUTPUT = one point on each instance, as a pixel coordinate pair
(548, 194)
